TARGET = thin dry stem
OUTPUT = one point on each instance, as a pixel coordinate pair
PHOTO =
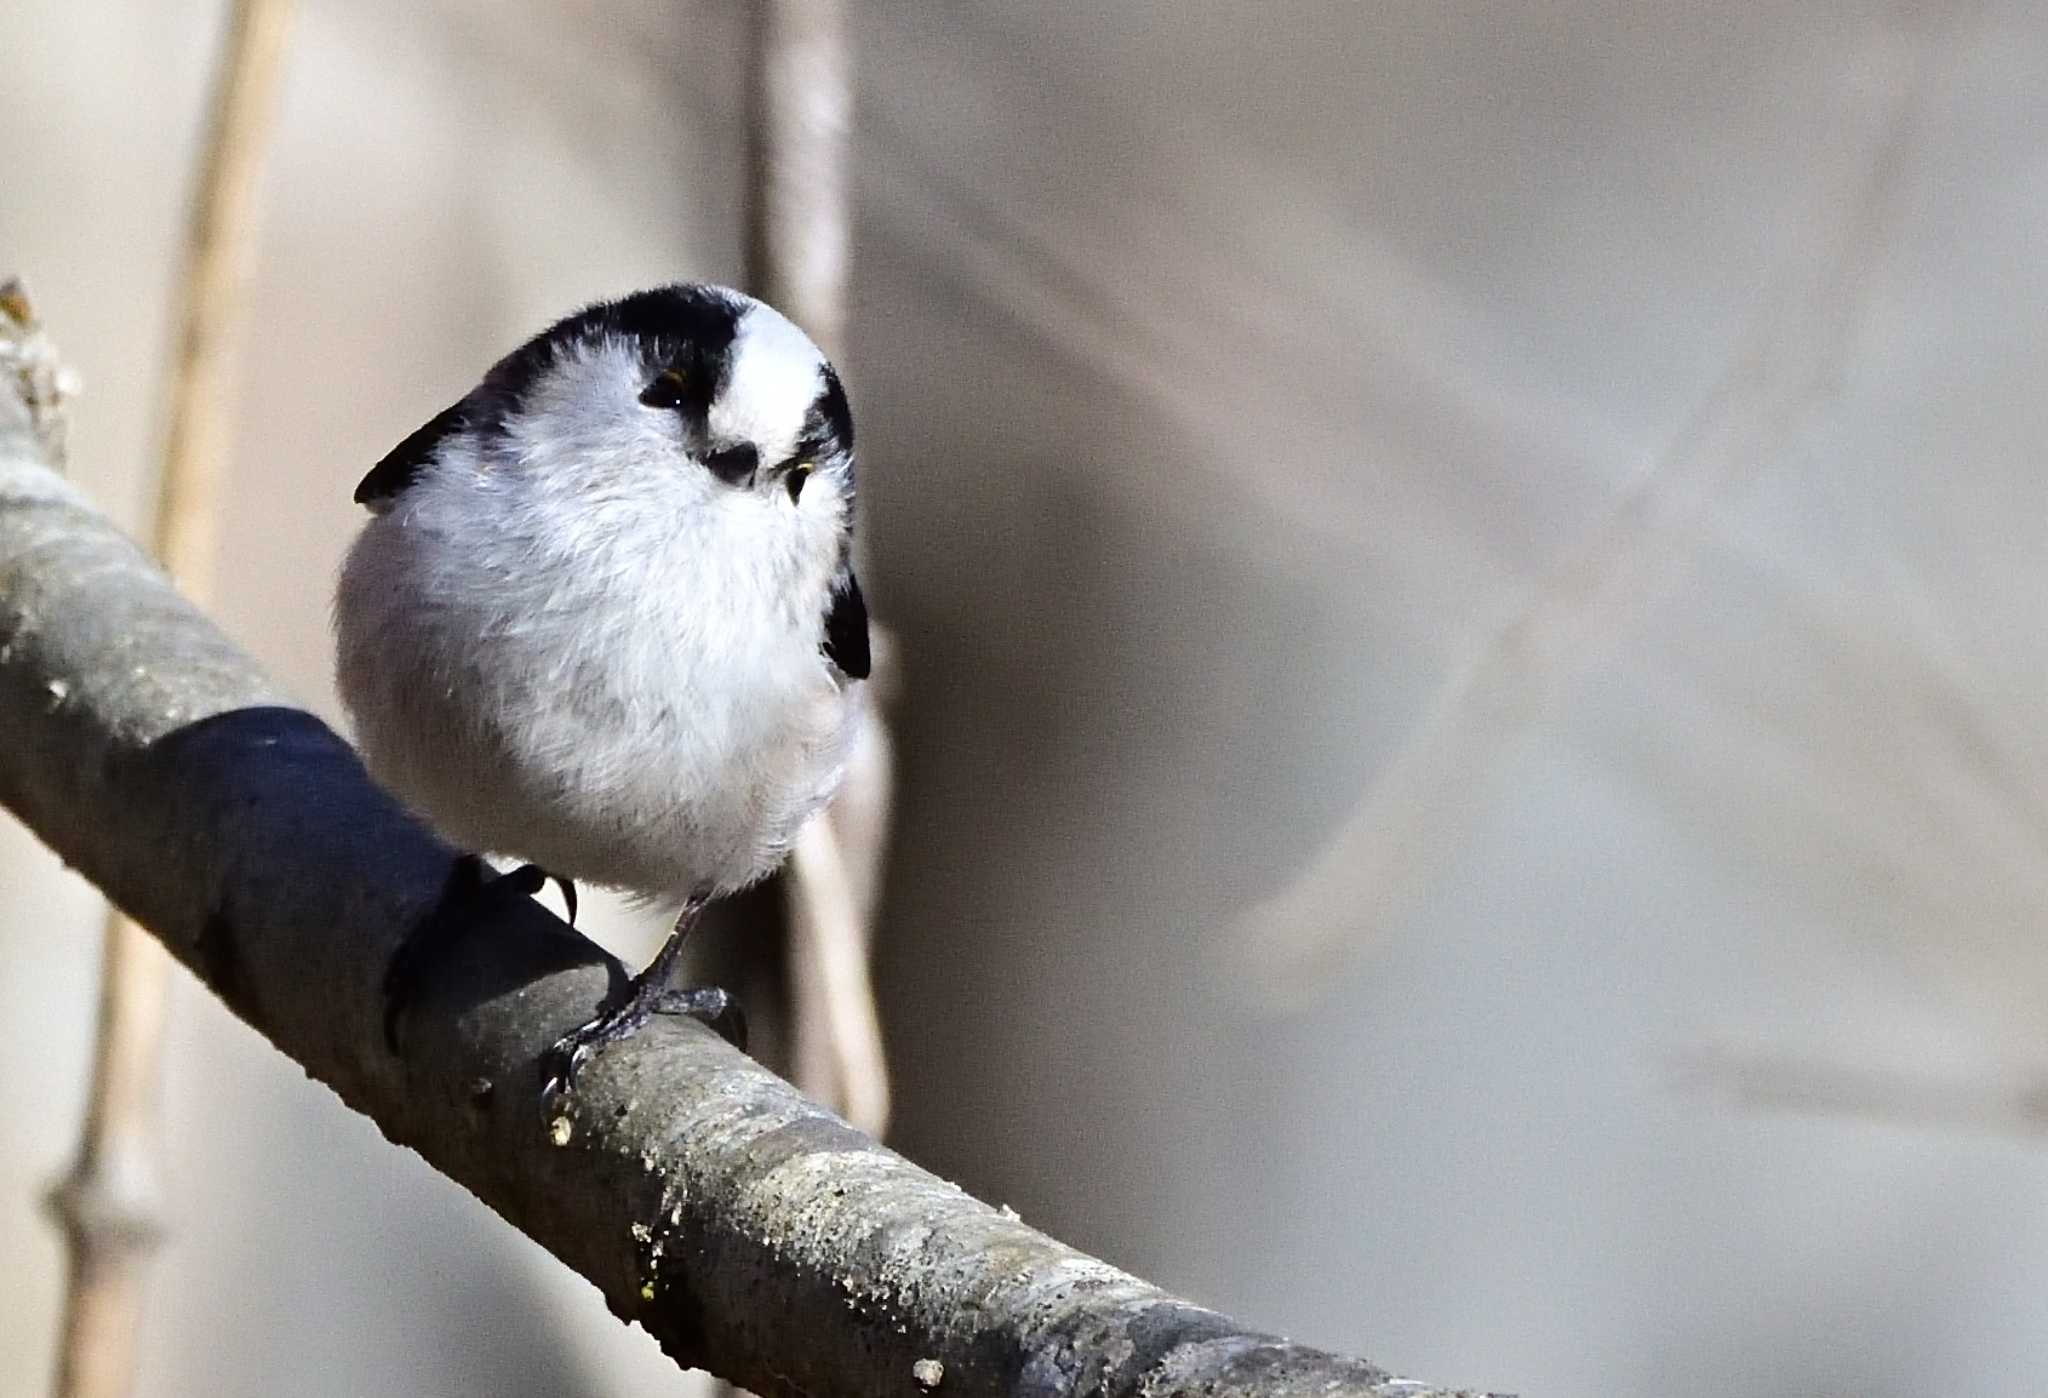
(38, 384)
(219, 246)
(1762, 1080)
(802, 101)
(107, 1204)
(797, 241)
(836, 1040)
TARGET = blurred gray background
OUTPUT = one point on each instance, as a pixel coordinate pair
(1471, 584)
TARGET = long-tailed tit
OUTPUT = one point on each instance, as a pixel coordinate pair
(603, 617)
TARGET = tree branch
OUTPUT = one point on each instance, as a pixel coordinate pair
(749, 1231)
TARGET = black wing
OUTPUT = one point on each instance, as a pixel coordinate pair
(401, 465)
(846, 628)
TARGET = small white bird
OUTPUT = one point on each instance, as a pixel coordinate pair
(603, 618)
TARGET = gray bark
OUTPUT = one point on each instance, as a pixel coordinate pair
(751, 1232)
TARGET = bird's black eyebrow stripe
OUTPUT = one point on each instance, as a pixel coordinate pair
(828, 425)
(683, 326)
(832, 407)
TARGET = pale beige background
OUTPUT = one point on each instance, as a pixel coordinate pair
(1548, 493)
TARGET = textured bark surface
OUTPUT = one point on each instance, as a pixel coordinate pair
(750, 1231)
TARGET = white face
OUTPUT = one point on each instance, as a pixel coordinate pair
(603, 421)
(776, 375)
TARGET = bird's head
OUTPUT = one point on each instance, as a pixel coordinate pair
(693, 395)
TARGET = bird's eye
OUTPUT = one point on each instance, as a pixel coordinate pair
(799, 473)
(670, 389)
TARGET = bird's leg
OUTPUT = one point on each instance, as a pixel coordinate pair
(649, 994)
(472, 894)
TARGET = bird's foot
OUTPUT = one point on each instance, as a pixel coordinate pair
(473, 894)
(708, 1005)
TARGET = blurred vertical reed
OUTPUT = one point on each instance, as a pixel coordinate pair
(798, 233)
(107, 1204)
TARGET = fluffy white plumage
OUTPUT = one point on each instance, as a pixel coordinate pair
(567, 640)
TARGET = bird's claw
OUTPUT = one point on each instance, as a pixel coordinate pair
(710, 1006)
(566, 1057)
